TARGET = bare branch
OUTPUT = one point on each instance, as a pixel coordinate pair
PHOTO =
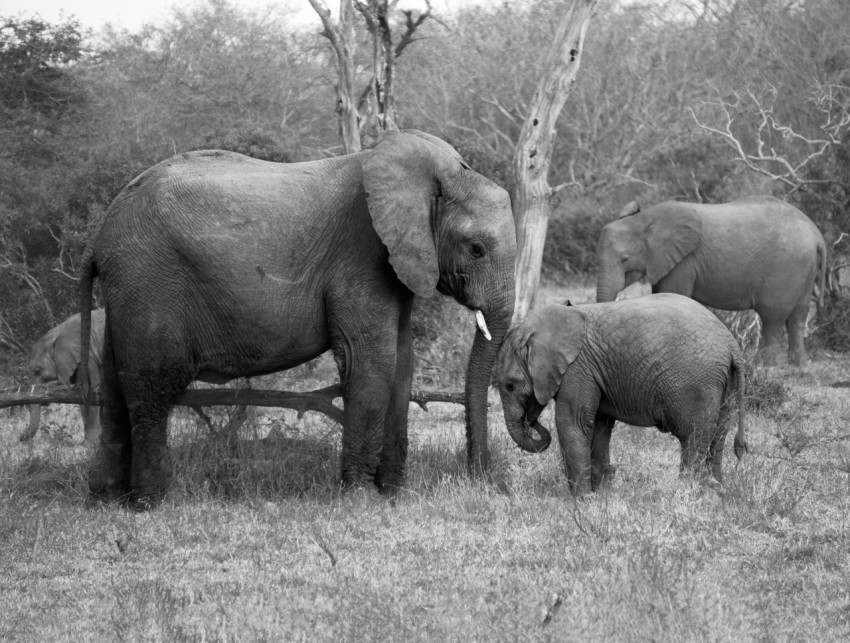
(789, 165)
(63, 251)
(342, 41)
(7, 338)
(320, 400)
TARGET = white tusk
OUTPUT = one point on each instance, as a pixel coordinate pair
(482, 325)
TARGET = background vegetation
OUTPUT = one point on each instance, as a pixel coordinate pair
(255, 540)
(82, 113)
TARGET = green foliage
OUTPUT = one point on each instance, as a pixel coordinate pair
(571, 241)
(78, 122)
(257, 142)
(833, 331)
(34, 56)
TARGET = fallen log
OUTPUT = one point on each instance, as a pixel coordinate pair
(320, 400)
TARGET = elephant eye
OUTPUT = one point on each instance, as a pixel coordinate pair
(509, 387)
(476, 250)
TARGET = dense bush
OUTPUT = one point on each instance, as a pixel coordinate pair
(833, 331)
(77, 122)
(571, 243)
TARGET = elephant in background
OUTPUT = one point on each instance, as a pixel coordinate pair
(214, 265)
(56, 357)
(754, 253)
(659, 360)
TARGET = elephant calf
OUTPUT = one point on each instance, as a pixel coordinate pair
(56, 357)
(660, 360)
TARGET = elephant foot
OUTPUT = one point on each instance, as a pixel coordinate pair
(602, 476)
(390, 482)
(100, 492)
(109, 476)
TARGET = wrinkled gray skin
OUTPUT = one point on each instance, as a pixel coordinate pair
(214, 265)
(755, 253)
(659, 360)
(56, 357)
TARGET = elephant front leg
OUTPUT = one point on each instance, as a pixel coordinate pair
(390, 474)
(601, 469)
(575, 430)
(367, 369)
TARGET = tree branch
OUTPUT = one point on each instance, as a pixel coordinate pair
(319, 400)
(831, 101)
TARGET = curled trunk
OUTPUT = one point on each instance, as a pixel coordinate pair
(521, 434)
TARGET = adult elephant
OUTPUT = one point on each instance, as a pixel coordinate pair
(754, 253)
(214, 265)
(55, 356)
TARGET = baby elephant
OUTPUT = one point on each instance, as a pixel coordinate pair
(660, 360)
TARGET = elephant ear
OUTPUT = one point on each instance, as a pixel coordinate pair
(555, 341)
(673, 233)
(632, 207)
(402, 177)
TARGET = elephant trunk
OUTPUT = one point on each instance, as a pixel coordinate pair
(521, 433)
(35, 421)
(609, 282)
(480, 367)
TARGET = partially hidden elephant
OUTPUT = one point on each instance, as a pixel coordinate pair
(55, 356)
(214, 265)
(658, 360)
(755, 253)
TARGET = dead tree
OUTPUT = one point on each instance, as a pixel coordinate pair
(319, 400)
(373, 110)
(532, 195)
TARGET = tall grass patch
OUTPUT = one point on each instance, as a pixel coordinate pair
(257, 541)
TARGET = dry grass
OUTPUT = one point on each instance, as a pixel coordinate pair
(256, 542)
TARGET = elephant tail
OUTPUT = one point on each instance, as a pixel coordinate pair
(739, 381)
(88, 271)
(821, 280)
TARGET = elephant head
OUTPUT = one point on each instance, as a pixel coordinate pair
(54, 357)
(644, 243)
(448, 228)
(530, 367)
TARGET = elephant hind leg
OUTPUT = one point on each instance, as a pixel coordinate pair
(795, 325)
(718, 443)
(601, 470)
(109, 477)
(149, 398)
(701, 435)
(770, 346)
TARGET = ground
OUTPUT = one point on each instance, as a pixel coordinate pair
(255, 540)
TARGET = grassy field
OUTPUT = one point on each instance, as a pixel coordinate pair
(255, 541)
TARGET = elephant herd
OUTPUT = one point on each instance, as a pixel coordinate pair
(215, 266)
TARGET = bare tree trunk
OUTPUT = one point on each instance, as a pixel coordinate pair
(343, 42)
(531, 192)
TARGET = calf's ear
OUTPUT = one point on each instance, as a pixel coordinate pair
(554, 341)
